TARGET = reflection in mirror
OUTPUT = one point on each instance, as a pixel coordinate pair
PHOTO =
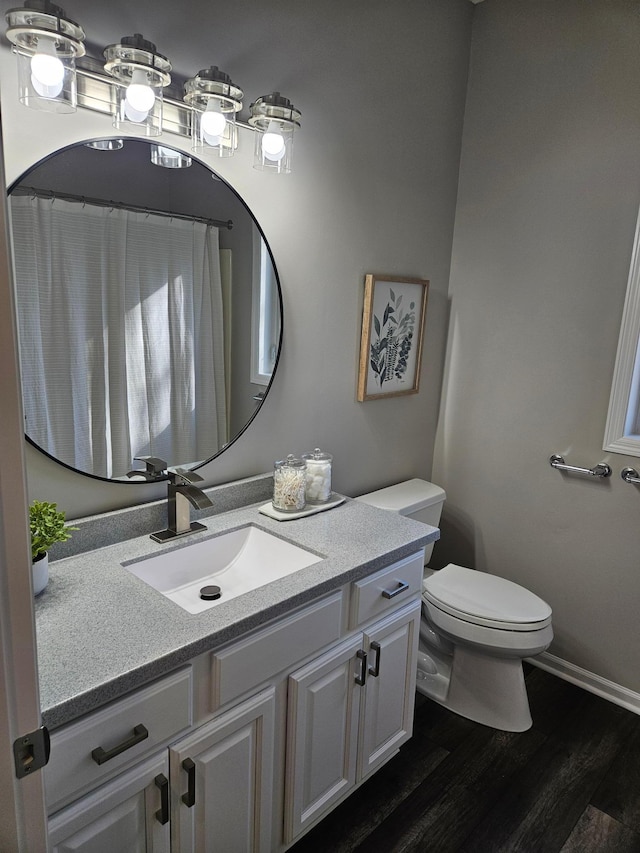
(149, 310)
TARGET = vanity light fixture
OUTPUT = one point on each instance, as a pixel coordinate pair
(169, 157)
(215, 101)
(141, 73)
(46, 44)
(131, 86)
(274, 119)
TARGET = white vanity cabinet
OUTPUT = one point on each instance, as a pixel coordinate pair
(247, 747)
(349, 712)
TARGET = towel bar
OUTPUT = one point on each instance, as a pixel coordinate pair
(630, 475)
(601, 470)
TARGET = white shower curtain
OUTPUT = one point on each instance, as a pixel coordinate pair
(121, 334)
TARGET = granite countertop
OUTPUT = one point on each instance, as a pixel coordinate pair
(102, 632)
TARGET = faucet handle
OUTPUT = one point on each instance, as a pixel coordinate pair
(184, 475)
(153, 464)
(154, 468)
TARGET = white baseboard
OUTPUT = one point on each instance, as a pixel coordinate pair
(589, 681)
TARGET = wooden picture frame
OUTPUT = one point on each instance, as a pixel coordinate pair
(395, 308)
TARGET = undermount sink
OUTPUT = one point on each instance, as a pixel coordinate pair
(236, 562)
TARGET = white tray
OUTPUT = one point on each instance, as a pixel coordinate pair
(268, 509)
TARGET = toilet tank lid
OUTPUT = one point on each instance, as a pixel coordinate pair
(406, 497)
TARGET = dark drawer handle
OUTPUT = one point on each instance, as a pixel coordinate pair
(190, 797)
(402, 587)
(375, 669)
(162, 815)
(101, 755)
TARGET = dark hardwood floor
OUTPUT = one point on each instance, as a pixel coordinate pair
(571, 784)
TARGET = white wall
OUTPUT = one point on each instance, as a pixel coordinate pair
(381, 88)
(548, 199)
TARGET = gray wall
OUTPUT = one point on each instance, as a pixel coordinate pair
(547, 205)
(381, 88)
(548, 197)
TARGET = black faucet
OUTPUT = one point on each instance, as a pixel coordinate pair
(182, 493)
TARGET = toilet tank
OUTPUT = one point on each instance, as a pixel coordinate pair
(417, 499)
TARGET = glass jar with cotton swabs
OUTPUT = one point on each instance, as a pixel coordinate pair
(318, 476)
(289, 484)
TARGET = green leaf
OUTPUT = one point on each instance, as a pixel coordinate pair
(47, 527)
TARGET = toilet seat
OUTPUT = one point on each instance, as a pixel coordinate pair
(485, 600)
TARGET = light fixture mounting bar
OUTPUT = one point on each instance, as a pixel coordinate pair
(95, 92)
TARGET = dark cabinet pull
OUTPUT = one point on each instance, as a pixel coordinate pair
(101, 755)
(402, 586)
(162, 783)
(190, 797)
(362, 676)
(375, 669)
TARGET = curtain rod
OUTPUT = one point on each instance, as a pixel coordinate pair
(119, 205)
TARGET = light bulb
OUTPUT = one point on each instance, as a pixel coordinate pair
(136, 116)
(140, 96)
(47, 71)
(273, 145)
(213, 122)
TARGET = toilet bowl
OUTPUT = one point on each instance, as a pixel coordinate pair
(476, 628)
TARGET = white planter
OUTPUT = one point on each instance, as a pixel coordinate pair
(40, 573)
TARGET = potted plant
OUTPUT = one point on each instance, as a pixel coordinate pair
(47, 526)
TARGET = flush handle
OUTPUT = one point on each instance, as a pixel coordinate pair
(101, 755)
(403, 586)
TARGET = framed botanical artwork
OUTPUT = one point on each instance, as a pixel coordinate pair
(393, 318)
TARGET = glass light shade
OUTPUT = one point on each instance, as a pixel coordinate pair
(47, 83)
(106, 144)
(46, 44)
(274, 119)
(215, 102)
(273, 150)
(140, 76)
(169, 158)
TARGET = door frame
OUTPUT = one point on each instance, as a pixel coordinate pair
(22, 805)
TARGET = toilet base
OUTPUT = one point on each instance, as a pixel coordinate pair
(484, 688)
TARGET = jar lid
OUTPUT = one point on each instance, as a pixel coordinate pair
(291, 462)
(318, 455)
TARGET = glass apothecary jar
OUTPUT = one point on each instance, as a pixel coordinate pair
(289, 484)
(318, 488)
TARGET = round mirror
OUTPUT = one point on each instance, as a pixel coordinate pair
(149, 309)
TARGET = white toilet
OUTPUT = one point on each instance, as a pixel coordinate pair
(476, 628)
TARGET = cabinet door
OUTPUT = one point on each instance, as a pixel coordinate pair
(322, 735)
(222, 779)
(129, 813)
(388, 703)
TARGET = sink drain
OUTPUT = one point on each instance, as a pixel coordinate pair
(210, 593)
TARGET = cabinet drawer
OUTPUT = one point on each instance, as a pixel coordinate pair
(250, 662)
(385, 589)
(88, 751)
